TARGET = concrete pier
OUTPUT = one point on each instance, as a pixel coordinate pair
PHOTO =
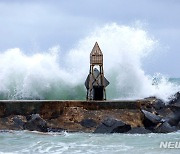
(69, 115)
(26, 107)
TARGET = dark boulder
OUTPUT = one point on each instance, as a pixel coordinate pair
(36, 123)
(158, 104)
(19, 121)
(151, 119)
(178, 126)
(173, 119)
(176, 99)
(164, 128)
(165, 112)
(111, 125)
(174, 106)
(88, 123)
(139, 130)
(155, 105)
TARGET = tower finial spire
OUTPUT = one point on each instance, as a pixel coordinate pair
(96, 56)
(96, 50)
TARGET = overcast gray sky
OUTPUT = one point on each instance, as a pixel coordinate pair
(36, 25)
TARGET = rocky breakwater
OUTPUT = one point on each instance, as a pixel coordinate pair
(150, 115)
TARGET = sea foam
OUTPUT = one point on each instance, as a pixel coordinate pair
(56, 74)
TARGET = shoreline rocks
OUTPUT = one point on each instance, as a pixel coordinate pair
(139, 130)
(151, 115)
(111, 125)
(36, 123)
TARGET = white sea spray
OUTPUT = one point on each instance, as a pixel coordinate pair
(56, 74)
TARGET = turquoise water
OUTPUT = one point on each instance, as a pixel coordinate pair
(175, 80)
(17, 142)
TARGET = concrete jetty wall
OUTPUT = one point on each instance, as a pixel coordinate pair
(26, 107)
(69, 115)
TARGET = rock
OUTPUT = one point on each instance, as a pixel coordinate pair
(13, 122)
(139, 130)
(151, 98)
(154, 105)
(176, 99)
(149, 108)
(6, 124)
(36, 123)
(158, 104)
(55, 129)
(88, 123)
(174, 106)
(164, 112)
(151, 118)
(164, 128)
(178, 126)
(173, 119)
(19, 121)
(111, 125)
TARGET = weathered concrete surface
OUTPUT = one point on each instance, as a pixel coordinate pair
(50, 107)
(69, 115)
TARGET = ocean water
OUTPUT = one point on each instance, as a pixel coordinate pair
(17, 142)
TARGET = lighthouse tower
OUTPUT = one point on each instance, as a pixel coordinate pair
(96, 82)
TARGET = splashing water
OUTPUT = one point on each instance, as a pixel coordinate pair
(58, 75)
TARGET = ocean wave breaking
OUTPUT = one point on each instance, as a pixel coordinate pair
(60, 75)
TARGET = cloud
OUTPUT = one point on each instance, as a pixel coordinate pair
(37, 25)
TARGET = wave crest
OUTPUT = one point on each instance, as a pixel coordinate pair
(60, 75)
